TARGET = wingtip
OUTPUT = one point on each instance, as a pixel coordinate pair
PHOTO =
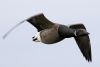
(6, 34)
(89, 60)
(3, 37)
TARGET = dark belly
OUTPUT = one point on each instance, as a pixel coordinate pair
(50, 36)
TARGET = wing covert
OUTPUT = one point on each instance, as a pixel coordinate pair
(40, 22)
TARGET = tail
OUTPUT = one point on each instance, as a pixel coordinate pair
(6, 34)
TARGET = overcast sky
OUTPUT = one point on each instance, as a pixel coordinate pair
(18, 49)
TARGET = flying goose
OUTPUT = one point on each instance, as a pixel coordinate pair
(49, 33)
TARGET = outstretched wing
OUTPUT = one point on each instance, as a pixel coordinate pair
(40, 22)
(83, 42)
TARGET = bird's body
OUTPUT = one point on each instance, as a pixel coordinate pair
(46, 38)
(45, 35)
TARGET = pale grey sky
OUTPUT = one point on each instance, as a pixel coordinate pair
(18, 50)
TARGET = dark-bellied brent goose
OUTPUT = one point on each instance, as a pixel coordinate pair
(49, 33)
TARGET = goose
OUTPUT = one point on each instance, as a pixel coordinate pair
(50, 33)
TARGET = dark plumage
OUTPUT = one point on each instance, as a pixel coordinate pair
(49, 33)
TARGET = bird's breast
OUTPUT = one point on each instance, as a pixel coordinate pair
(50, 36)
